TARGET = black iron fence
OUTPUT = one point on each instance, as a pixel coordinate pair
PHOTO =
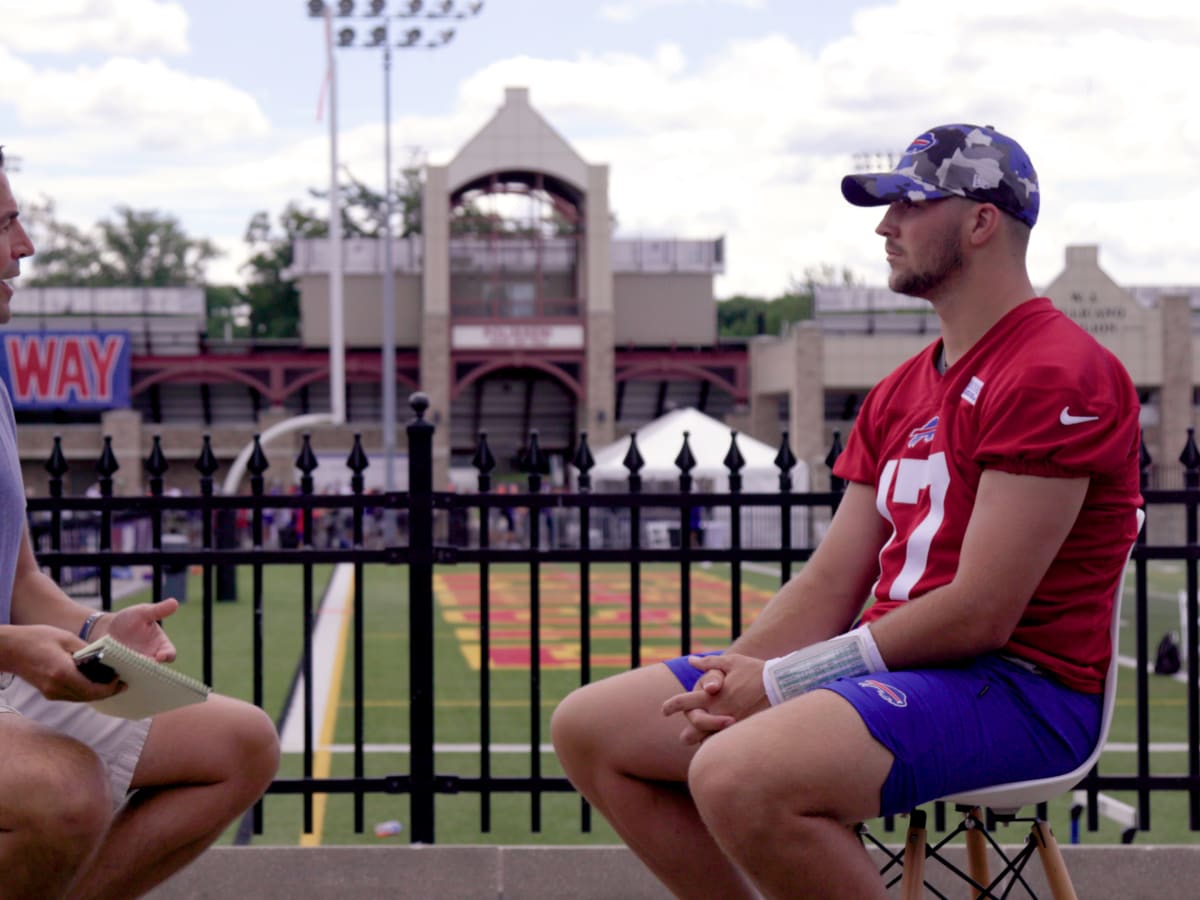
(434, 531)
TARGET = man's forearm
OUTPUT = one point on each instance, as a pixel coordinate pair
(795, 618)
(38, 600)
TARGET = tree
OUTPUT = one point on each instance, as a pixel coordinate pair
(363, 207)
(66, 255)
(137, 248)
(274, 301)
(824, 275)
(742, 316)
(227, 311)
(146, 248)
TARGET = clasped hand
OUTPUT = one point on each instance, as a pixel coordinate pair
(730, 689)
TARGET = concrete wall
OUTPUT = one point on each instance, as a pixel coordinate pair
(363, 308)
(858, 361)
(591, 873)
(1108, 312)
(661, 310)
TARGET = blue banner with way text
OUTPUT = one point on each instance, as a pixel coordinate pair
(77, 370)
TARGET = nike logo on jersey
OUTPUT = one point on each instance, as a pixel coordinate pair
(1066, 418)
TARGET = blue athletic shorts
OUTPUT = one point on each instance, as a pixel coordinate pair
(953, 729)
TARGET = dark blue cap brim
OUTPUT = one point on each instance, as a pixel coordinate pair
(882, 188)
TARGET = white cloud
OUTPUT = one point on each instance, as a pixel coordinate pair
(752, 143)
(130, 103)
(749, 142)
(625, 11)
(695, 149)
(110, 26)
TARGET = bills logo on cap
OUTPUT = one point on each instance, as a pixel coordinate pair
(922, 143)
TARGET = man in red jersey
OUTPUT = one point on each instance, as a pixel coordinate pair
(993, 482)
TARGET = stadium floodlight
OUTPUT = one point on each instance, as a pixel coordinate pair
(380, 36)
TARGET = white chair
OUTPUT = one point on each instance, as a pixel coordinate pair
(1005, 800)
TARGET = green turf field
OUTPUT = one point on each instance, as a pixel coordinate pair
(457, 655)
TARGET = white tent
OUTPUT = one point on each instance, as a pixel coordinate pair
(659, 443)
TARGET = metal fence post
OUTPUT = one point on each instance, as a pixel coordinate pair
(420, 619)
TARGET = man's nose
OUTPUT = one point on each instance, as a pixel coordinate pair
(887, 224)
(22, 246)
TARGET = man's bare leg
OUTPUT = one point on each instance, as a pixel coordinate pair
(201, 768)
(779, 789)
(626, 758)
(55, 805)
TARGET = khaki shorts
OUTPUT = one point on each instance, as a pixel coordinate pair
(118, 742)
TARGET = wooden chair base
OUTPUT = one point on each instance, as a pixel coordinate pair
(911, 861)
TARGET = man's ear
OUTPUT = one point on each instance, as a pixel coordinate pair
(983, 223)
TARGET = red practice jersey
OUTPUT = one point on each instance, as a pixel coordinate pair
(1036, 395)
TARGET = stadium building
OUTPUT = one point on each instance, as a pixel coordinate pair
(516, 308)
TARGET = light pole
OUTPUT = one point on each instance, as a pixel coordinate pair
(380, 37)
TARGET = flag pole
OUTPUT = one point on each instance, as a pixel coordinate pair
(337, 337)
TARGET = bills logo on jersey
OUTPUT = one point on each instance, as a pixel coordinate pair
(886, 692)
(922, 143)
(924, 433)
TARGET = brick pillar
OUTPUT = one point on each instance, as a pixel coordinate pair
(124, 426)
(1176, 413)
(806, 405)
(600, 404)
(435, 322)
(280, 453)
(435, 381)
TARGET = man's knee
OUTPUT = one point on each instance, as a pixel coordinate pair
(572, 725)
(257, 744)
(242, 740)
(726, 779)
(65, 793)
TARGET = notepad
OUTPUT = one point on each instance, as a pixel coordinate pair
(151, 686)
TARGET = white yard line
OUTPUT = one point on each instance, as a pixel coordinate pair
(1128, 662)
(328, 634)
(438, 748)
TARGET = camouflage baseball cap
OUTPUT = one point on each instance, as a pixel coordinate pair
(972, 161)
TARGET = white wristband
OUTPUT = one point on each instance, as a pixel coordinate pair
(870, 650)
(850, 654)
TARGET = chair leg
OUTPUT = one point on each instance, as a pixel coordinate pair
(977, 861)
(912, 883)
(1055, 868)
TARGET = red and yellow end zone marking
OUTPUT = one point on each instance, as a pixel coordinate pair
(509, 616)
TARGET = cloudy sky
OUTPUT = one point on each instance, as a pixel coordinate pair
(731, 118)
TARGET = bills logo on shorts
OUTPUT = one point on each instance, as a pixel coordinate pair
(892, 695)
(924, 433)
